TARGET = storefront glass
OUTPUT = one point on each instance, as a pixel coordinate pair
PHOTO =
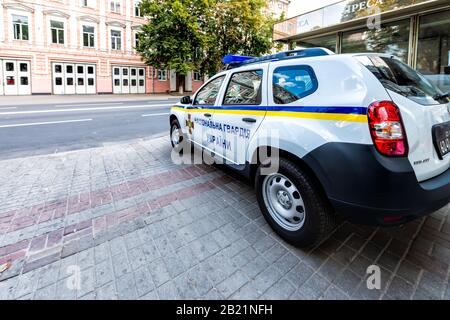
(433, 52)
(391, 38)
(343, 11)
(328, 42)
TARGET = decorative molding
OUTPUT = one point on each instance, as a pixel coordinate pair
(115, 24)
(56, 13)
(87, 18)
(136, 27)
(18, 6)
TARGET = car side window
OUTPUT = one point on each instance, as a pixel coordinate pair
(208, 94)
(244, 88)
(291, 83)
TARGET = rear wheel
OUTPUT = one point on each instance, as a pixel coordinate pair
(293, 205)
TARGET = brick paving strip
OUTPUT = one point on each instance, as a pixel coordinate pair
(49, 247)
(22, 218)
(148, 229)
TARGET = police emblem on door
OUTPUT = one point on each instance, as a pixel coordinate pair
(190, 124)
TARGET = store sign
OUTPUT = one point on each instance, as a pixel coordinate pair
(310, 21)
(363, 5)
(343, 11)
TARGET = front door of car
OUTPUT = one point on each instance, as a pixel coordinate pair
(198, 124)
(240, 113)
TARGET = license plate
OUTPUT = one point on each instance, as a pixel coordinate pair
(441, 139)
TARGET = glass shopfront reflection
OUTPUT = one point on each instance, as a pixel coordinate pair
(328, 42)
(391, 38)
(433, 52)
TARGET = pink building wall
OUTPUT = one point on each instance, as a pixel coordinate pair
(41, 52)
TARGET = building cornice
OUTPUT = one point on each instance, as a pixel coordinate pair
(18, 6)
(56, 13)
(114, 23)
(88, 18)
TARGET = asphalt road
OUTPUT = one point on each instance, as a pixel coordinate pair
(41, 129)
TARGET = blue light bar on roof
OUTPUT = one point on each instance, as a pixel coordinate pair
(233, 59)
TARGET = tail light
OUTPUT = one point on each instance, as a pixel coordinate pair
(387, 130)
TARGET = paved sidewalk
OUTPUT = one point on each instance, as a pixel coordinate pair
(123, 222)
(67, 99)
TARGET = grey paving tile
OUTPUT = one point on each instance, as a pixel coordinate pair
(299, 274)
(334, 293)
(281, 290)
(106, 292)
(399, 289)
(159, 272)
(232, 283)
(314, 287)
(126, 287)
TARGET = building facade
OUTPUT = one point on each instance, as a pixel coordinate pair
(279, 7)
(77, 47)
(416, 31)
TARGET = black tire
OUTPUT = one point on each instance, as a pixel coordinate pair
(175, 125)
(319, 218)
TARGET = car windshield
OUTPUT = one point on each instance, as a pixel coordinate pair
(402, 79)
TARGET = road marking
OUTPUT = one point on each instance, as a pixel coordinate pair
(88, 105)
(168, 100)
(42, 123)
(155, 114)
(83, 109)
(8, 108)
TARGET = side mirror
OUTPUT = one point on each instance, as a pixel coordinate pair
(186, 100)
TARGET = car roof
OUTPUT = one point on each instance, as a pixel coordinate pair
(330, 56)
(308, 59)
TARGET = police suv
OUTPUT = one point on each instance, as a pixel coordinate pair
(361, 135)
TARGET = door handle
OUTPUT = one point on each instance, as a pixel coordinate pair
(249, 120)
(208, 115)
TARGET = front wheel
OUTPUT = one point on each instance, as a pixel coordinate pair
(293, 205)
(176, 135)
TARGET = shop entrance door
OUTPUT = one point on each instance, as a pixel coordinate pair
(10, 77)
(2, 92)
(141, 80)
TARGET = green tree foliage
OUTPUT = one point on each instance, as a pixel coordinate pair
(168, 39)
(191, 35)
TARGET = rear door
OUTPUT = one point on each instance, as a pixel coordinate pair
(240, 113)
(425, 113)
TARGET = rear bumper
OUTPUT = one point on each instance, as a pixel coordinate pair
(368, 188)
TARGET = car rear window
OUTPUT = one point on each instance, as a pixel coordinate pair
(292, 83)
(402, 79)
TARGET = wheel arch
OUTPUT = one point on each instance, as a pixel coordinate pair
(172, 118)
(304, 165)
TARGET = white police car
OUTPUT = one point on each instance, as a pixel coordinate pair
(362, 135)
